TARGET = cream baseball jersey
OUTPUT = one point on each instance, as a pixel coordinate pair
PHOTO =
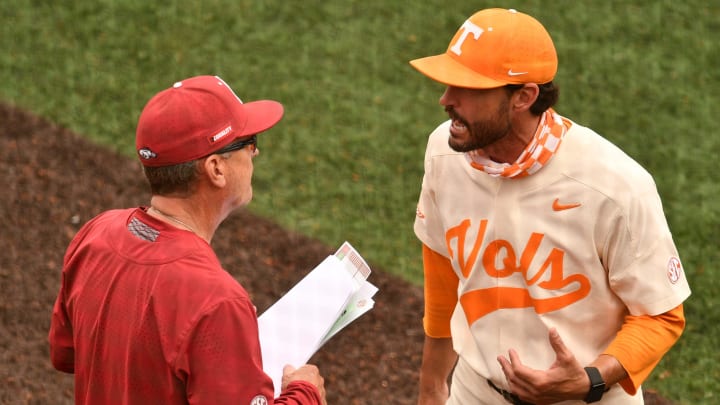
(576, 246)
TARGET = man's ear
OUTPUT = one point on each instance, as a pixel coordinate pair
(214, 168)
(524, 98)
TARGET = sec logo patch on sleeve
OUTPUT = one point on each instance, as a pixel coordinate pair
(259, 400)
(674, 270)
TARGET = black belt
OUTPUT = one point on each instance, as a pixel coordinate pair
(509, 396)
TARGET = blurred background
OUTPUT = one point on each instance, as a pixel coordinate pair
(346, 161)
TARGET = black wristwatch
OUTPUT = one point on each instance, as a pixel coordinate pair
(597, 385)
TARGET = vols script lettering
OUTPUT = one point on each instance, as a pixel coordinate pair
(499, 259)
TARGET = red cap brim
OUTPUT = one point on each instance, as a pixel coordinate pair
(262, 115)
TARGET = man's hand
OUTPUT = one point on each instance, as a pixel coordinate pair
(309, 373)
(564, 380)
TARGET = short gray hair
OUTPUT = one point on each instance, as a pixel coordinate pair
(175, 180)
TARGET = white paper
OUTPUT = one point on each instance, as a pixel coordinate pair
(325, 301)
(360, 303)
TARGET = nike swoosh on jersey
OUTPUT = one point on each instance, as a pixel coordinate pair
(557, 206)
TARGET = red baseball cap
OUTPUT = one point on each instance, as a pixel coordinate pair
(492, 48)
(196, 117)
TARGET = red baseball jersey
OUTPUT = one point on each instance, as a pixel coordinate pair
(147, 315)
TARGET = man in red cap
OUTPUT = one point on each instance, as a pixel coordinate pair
(550, 271)
(145, 313)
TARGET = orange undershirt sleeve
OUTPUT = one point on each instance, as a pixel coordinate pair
(441, 284)
(642, 342)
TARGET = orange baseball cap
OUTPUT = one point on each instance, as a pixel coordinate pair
(492, 48)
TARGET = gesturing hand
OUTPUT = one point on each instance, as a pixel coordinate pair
(564, 380)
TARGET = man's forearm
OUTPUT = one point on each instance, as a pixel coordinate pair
(438, 361)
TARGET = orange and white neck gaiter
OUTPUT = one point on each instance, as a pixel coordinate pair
(537, 153)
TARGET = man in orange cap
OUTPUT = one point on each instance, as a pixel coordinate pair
(550, 271)
(146, 314)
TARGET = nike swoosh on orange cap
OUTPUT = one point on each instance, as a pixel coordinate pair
(556, 206)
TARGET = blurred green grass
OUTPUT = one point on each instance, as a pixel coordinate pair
(346, 161)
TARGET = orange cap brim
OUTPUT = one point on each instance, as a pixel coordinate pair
(446, 70)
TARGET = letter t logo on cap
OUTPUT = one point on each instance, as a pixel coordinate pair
(468, 28)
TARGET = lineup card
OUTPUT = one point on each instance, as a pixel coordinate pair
(354, 263)
(326, 300)
(361, 301)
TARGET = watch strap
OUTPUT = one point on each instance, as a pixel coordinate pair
(597, 385)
